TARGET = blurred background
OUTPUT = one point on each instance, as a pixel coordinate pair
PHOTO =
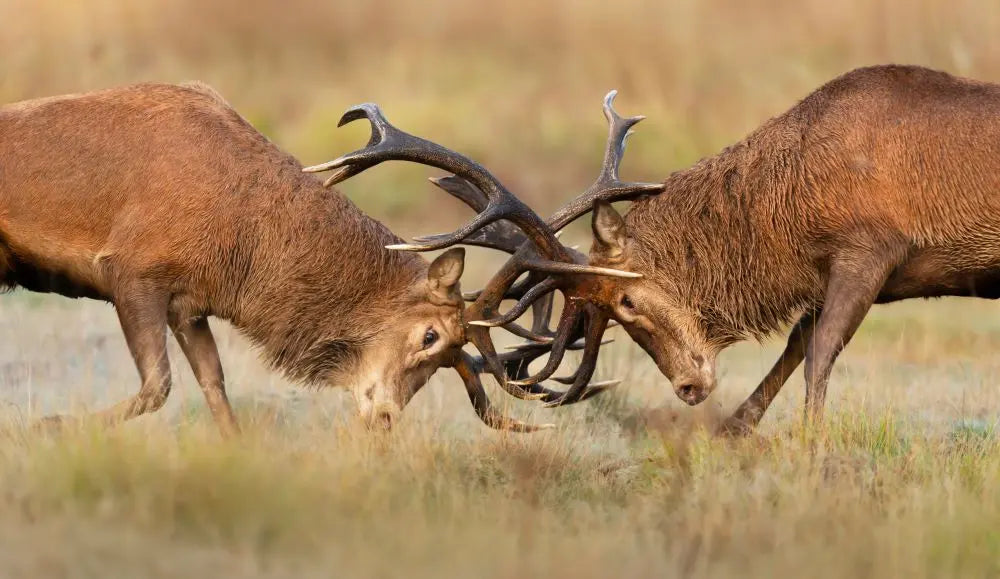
(516, 85)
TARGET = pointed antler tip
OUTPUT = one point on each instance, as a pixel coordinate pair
(405, 247)
(363, 110)
(612, 272)
(607, 383)
(322, 167)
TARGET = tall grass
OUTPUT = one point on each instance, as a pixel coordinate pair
(865, 498)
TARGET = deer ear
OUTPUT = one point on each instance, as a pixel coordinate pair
(443, 275)
(609, 233)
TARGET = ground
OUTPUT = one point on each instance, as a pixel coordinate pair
(901, 481)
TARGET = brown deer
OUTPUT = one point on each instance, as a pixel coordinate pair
(882, 185)
(164, 201)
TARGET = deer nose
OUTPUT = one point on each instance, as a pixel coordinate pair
(691, 393)
(382, 418)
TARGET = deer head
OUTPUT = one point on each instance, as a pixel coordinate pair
(425, 332)
(651, 308)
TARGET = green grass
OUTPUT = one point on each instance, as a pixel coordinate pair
(863, 498)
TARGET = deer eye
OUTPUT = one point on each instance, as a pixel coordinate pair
(627, 303)
(429, 338)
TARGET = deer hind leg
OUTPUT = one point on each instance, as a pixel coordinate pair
(143, 317)
(198, 344)
(749, 414)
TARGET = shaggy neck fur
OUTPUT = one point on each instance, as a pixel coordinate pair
(720, 237)
(310, 280)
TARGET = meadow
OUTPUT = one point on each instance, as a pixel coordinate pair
(900, 482)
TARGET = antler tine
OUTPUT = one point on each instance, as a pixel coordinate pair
(541, 313)
(351, 164)
(593, 389)
(501, 235)
(596, 324)
(481, 401)
(607, 187)
(597, 388)
(531, 336)
(567, 323)
(462, 190)
(543, 288)
(542, 348)
(388, 143)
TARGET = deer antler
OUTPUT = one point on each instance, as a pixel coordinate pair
(536, 292)
(607, 187)
(544, 254)
(549, 264)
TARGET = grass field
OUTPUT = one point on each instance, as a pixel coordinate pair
(901, 482)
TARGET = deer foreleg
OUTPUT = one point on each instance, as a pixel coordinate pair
(853, 286)
(749, 414)
(198, 344)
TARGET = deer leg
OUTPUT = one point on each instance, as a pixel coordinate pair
(198, 344)
(143, 318)
(852, 289)
(749, 414)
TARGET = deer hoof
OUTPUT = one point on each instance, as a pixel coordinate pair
(733, 427)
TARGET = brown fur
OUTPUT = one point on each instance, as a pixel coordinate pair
(165, 190)
(888, 176)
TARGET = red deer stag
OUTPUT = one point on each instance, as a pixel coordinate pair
(164, 201)
(877, 187)
(882, 185)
